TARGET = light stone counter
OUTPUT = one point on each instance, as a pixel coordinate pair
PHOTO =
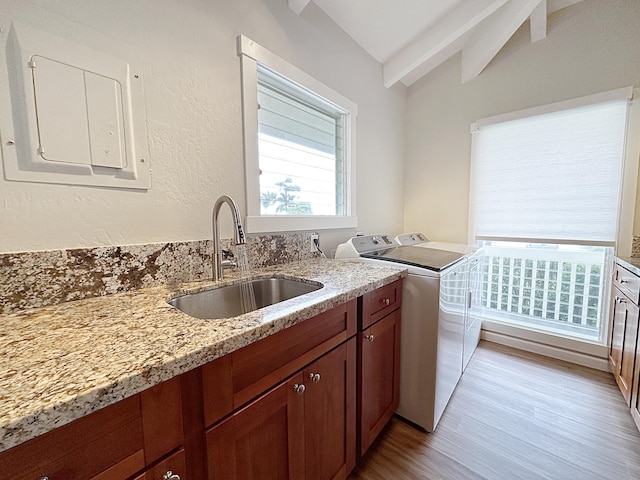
(62, 362)
(630, 263)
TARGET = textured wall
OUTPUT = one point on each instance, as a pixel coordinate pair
(186, 54)
(591, 47)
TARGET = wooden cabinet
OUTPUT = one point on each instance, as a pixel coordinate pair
(263, 440)
(282, 407)
(304, 428)
(624, 329)
(635, 390)
(301, 428)
(171, 468)
(111, 444)
(330, 414)
(378, 362)
(635, 383)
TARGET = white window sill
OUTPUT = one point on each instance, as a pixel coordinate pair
(583, 346)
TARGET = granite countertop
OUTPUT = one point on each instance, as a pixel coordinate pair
(630, 263)
(62, 362)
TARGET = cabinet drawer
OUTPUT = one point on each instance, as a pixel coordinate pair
(380, 302)
(262, 364)
(84, 448)
(627, 282)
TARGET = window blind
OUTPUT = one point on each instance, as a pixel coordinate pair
(301, 138)
(550, 178)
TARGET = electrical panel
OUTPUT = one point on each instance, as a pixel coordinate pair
(76, 114)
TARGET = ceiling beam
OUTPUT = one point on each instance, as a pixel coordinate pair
(538, 22)
(489, 38)
(298, 5)
(438, 43)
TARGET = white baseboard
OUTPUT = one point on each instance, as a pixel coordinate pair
(578, 358)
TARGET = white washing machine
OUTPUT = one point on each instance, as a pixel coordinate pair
(473, 322)
(434, 300)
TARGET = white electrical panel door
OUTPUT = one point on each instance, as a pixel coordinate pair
(61, 110)
(104, 115)
(75, 115)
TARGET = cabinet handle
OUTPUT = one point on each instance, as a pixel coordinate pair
(370, 337)
(299, 388)
(622, 280)
(170, 476)
(386, 301)
(43, 478)
(314, 377)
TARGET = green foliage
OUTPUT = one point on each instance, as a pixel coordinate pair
(285, 199)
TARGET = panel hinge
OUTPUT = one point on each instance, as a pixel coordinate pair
(40, 150)
(32, 63)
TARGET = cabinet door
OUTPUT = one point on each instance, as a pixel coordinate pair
(635, 392)
(624, 335)
(264, 440)
(171, 468)
(627, 364)
(161, 419)
(379, 377)
(329, 409)
(618, 317)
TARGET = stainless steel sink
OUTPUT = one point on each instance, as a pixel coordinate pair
(232, 300)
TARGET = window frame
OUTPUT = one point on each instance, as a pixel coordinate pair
(251, 55)
(521, 335)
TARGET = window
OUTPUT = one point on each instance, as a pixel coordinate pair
(298, 136)
(546, 190)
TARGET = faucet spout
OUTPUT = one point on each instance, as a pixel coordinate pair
(238, 236)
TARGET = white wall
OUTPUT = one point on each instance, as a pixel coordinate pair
(591, 47)
(191, 74)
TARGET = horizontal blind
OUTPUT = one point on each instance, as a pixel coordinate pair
(300, 143)
(554, 177)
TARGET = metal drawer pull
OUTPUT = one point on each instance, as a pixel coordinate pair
(386, 301)
(170, 476)
(314, 377)
(43, 478)
(299, 388)
(622, 280)
(370, 337)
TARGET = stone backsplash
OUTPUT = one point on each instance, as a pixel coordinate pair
(38, 279)
(635, 247)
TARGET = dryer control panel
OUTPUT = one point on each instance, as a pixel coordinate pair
(364, 244)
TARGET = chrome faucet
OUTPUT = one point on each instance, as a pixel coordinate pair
(218, 263)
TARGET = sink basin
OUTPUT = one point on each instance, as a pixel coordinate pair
(231, 300)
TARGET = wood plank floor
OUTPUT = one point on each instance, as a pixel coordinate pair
(516, 415)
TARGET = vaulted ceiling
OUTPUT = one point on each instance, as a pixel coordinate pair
(412, 37)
